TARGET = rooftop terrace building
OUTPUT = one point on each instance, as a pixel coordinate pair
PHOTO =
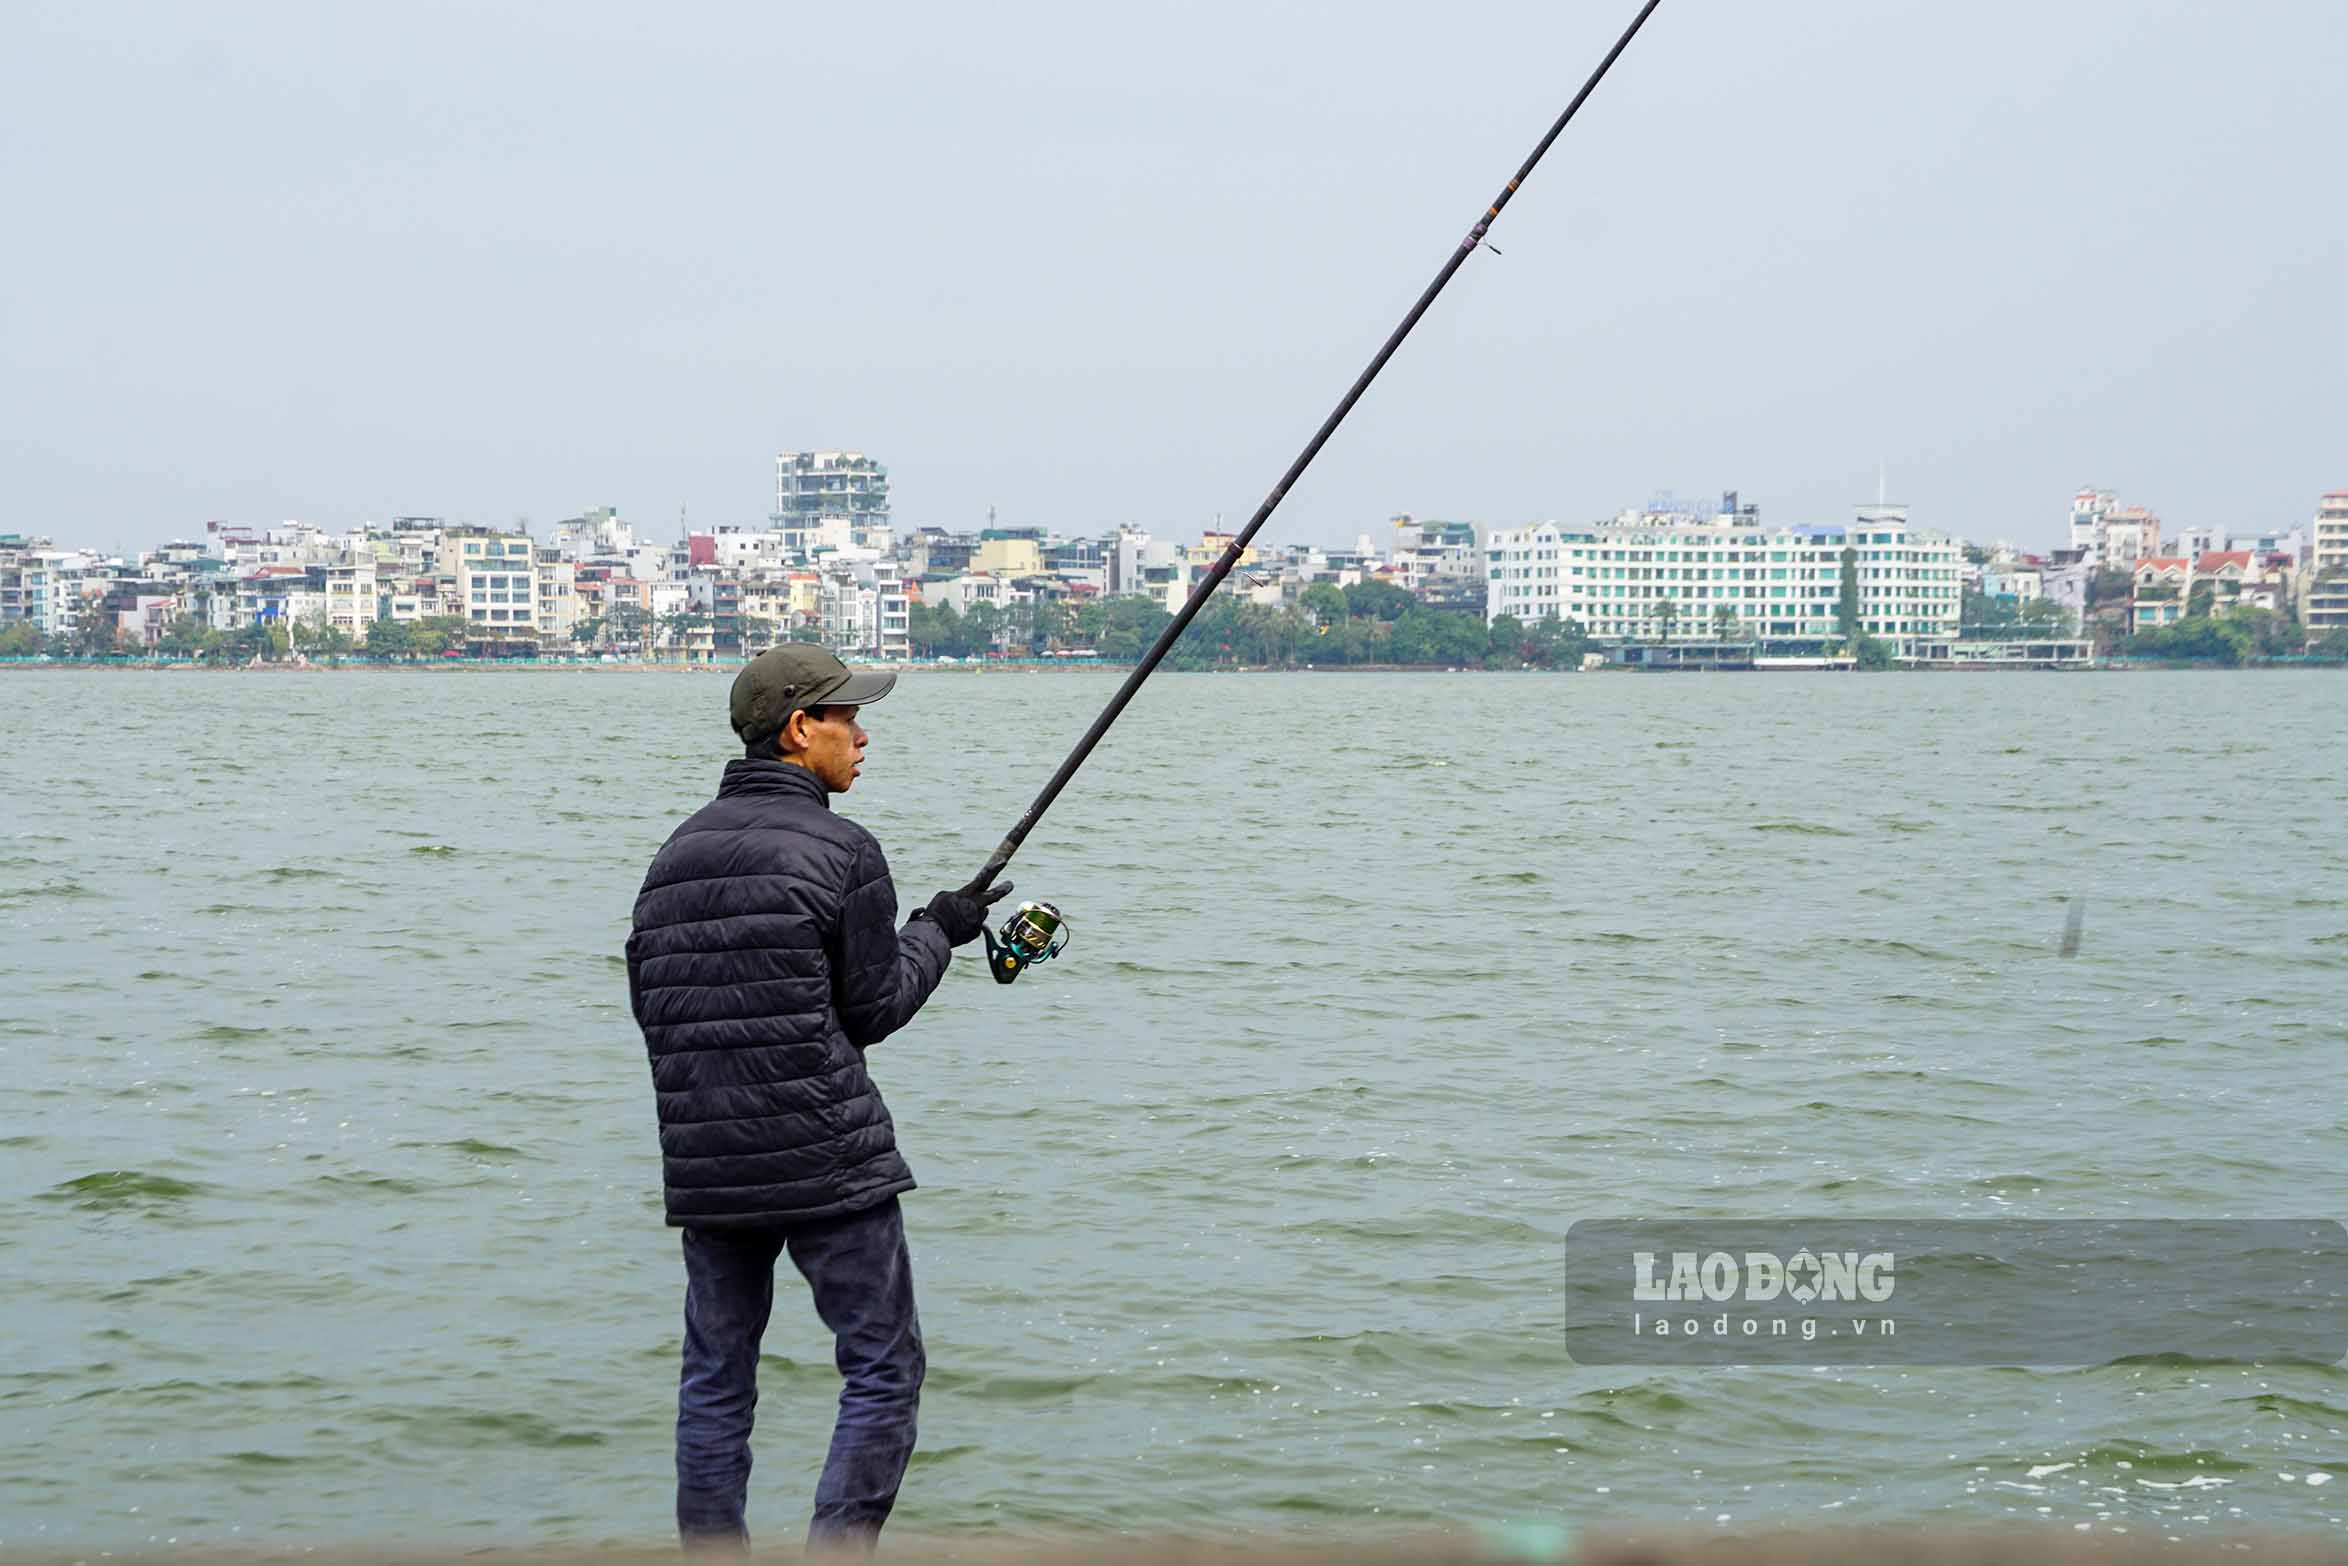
(831, 500)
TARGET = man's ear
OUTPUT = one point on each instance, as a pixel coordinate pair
(793, 734)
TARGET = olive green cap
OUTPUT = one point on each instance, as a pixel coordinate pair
(785, 678)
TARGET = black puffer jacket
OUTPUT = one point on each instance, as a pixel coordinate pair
(765, 957)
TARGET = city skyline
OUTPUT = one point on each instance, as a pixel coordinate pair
(2058, 532)
(1874, 591)
(1088, 269)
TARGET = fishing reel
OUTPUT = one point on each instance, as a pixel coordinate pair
(1036, 933)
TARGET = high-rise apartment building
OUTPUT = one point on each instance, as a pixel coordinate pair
(2327, 587)
(831, 500)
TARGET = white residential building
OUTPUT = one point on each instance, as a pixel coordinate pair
(289, 543)
(740, 551)
(2196, 541)
(1439, 561)
(2016, 579)
(963, 593)
(558, 601)
(2112, 535)
(2130, 534)
(2326, 592)
(1137, 565)
(496, 580)
(21, 555)
(2288, 542)
(595, 535)
(352, 598)
(1775, 583)
(46, 586)
(2088, 509)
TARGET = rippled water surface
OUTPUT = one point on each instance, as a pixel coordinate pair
(329, 1201)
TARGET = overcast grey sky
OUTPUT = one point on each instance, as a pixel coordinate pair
(1091, 263)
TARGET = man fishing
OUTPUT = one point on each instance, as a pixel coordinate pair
(765, 959)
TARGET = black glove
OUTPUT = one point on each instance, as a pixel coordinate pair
(962, 915)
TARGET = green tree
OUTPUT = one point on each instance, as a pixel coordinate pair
(2271, 635)
(1557, 644)
(1873, 653)
(2224, 642)
(630, 623)
(1231, 633)
(2044, 617)
(183, 637)
(1461, 638)
(1279, 631)
(1667, 616)
(2332, 644)
(19, 639)
(1325, 603)
(1047, 623)
(982, 625)
(1129, 626)
(2201, 601)
(1983, 618)
(2110, 585)
(679, 624)
(758, 633)
(1218, 637)
(1724, 624)
(391, 639)
(1411, 638)
(443, 633)
(1349, 642)
(226, 646)
(933, 630)
(1505, 643)
(97, 634)
(585, 633)
(1377, 601)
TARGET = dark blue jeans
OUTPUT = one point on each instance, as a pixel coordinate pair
(862, 1280)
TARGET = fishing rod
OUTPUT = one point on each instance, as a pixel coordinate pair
(1038, 931)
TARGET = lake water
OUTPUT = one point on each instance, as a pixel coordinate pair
(329, 1191)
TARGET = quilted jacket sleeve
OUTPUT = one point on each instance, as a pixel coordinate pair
(881, 974)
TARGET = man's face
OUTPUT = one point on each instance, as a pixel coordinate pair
(832, 745)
